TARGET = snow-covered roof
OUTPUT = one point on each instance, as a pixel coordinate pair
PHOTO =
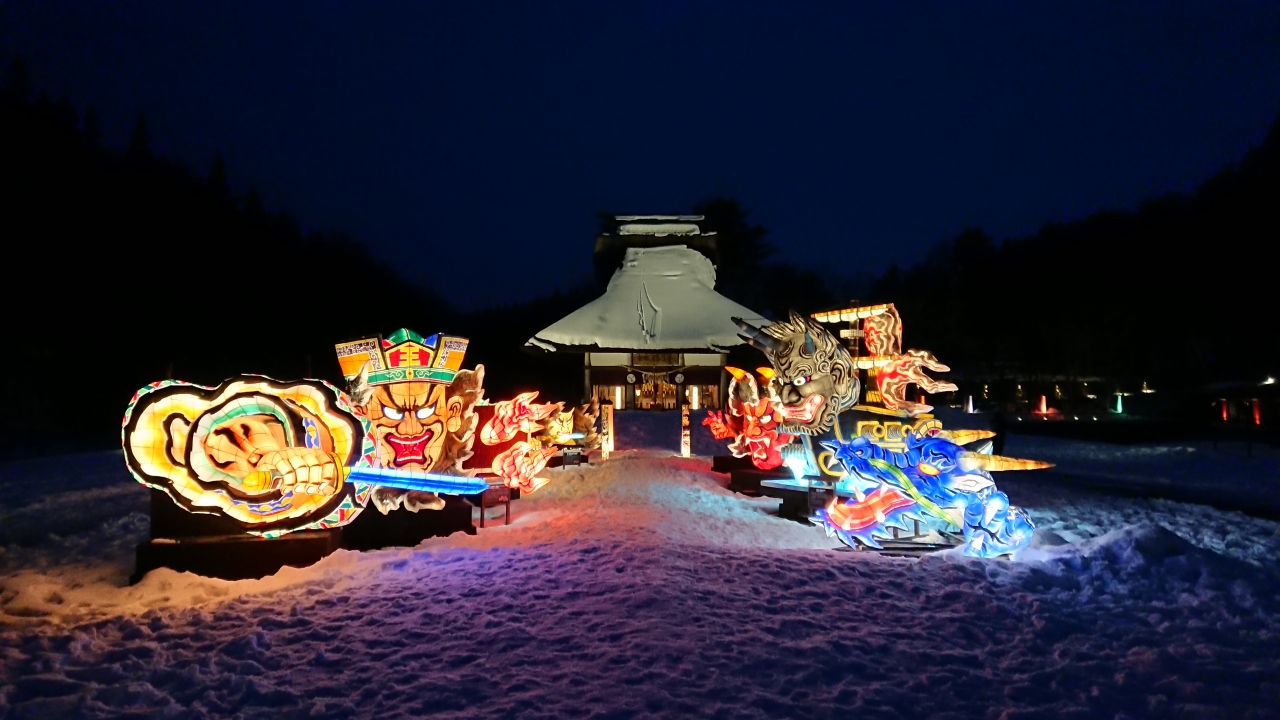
(659, 229)
(662, 298)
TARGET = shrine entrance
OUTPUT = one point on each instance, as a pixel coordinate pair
(655, 394)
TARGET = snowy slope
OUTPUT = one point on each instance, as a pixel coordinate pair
(642, 588)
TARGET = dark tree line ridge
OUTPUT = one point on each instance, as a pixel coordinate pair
(127, 267)
(1180, 290)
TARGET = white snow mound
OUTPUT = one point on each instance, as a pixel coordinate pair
(642, 588)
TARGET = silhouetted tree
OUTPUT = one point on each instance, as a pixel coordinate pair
(92, 129)
(139, 141)
(742, 247)
(17, 83)
(217, 181)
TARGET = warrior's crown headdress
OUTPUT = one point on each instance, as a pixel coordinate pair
(403, 356)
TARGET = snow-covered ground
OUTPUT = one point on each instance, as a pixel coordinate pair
(1229, 475)
(642, 587)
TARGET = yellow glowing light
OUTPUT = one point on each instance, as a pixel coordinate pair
(850, 314)
(695, 397)
(607, 431)
(872, 361)
(617, 396)
(684, 431)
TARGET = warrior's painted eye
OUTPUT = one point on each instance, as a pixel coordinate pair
(800, 381)
(858, 453)
(766, 418)
(392, 413)
(424, 413)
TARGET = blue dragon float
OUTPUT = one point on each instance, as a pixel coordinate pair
(889, 465)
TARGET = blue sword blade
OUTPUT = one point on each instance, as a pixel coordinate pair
(426, 482)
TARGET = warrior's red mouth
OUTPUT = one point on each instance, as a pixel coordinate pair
(805, 412)
(410, 449)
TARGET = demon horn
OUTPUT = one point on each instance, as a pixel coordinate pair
(964, 437)
(756, 337)
(971, 461)
(810, 348)
(738, 373)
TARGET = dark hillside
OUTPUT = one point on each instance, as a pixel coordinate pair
(1182, 290)
(126, 267)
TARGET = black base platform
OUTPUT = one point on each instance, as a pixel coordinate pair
(902, 548)
(218, 547)
(729, 463)
(235, 557)
(747, 481)
(797, 504)
(371, 530)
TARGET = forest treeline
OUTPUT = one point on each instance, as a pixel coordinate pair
(1177, 291)
(1180, 290)
(125, 267)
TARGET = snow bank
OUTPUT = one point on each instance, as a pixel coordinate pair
(1073, 500)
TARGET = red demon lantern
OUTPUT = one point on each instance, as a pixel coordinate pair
(752, 421)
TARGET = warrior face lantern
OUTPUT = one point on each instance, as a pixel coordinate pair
(418, 403)
(814, 378)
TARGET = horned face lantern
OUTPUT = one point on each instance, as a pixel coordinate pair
(814, 378)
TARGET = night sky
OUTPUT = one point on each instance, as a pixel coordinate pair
(478, 140)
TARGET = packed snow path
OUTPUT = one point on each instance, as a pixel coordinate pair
(643, 588)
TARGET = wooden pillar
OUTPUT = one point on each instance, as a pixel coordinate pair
(586, 377)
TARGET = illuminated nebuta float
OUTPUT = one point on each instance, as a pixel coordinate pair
(885, 461)
(277, 457)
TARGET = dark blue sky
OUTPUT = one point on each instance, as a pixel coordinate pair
(469, 140)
